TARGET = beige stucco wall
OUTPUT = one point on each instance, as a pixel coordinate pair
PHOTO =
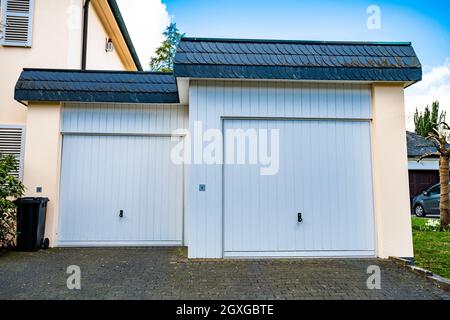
(49, 49)
(57, 37)
(42, 159)
(390, 172)
(97, 57)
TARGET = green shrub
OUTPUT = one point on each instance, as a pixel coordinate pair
(10, 189)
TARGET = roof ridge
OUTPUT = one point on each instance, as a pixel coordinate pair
(332, 42)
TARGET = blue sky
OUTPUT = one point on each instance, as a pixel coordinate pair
(425, 23)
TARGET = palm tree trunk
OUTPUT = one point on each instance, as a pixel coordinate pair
(444, 197)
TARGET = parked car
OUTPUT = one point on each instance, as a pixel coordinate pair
(427, 202)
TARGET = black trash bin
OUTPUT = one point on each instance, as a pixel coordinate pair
(31, 223)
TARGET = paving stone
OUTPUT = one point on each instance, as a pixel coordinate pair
(165, 273)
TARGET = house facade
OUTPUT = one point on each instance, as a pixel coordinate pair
(424, 173)
(50, 34)
(250, 148)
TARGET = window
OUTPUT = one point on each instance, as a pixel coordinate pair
(435, 190)
(16, 22)
(12, 142)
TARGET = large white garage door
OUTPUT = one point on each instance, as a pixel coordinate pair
(119, 190)
(324, 178)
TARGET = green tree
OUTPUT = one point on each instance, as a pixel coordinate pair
(432, 125)
(426, 122)
(166, 52)
(10, 189)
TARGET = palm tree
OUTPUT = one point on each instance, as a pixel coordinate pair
(439, 136)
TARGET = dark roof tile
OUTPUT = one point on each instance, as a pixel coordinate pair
(96, 86)
(418, 145)
(232, 58)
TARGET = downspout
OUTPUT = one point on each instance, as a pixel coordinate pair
(85, 33)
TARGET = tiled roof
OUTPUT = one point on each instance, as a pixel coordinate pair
(418, 145)
(297, 60)
(96, 86)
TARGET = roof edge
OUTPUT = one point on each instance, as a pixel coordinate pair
(198, 39)
(98, 71)
(123, 29)
(394, 74)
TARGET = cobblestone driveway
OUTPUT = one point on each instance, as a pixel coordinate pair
(164, 273)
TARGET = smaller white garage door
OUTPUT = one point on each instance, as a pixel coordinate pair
(319, 203)
(119, 190)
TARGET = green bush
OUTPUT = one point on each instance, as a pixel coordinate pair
(10, 189)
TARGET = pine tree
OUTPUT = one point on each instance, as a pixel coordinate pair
(166, 52)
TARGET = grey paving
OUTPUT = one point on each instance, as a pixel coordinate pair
(165, 273)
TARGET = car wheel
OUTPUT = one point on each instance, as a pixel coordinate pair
(419, 211)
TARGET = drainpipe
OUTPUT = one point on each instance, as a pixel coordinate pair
(85, 33)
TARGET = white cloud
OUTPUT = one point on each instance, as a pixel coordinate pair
(145, 20)
(435, 85)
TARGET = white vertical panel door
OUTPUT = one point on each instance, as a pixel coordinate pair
(102, 175)
(324, 173)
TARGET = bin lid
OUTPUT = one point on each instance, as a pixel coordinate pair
(31, 200)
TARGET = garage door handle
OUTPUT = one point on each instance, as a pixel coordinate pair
(299, 217)
(121, 214)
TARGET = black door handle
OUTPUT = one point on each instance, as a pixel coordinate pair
(299, 217)
(121, 214)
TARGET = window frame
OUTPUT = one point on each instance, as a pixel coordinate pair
(30, 15)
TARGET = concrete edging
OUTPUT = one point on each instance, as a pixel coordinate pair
(408, 264)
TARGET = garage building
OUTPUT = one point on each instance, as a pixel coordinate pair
(100, 145)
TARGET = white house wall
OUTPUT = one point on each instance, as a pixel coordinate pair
(209, 101)
(431, 164)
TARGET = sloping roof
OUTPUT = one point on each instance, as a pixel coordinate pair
(123, 29)
(418, 145)
(96, 86)
(296, 60)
